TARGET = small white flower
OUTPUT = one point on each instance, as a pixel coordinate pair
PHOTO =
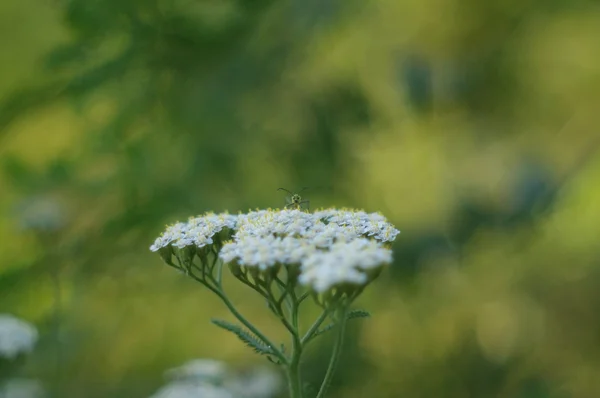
(344, 263)
(192, 390)
(16, 336)
(229, 252)
(42, 213)
(197, 231)
(327, 275)
(373, 225)
(267, 222)
(265, 252)
(22, 388)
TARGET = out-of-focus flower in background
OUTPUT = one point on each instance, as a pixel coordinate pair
(22, 388)
(16, 336)
(190, 389)
(200, 370)
(41, 213)
(208, 378)
(259, 382)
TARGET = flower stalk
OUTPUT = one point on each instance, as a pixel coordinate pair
(335, 355)
(286, 257)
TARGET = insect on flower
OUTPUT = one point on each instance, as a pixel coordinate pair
(294, 201)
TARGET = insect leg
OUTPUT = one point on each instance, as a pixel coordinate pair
(307, 202)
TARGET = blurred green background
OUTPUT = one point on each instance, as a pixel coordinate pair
(472, 125)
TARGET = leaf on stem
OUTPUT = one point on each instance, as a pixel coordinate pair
(354, 314)
(245, 336)
(325, 329)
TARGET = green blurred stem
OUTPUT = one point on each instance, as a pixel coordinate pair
(293, 376)
(303, 297)
(217, 288)
(293, 369)
(335, 355)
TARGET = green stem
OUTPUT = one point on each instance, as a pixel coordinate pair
(335, 355)
(285, 292)
(254, 330)
(219, 271)
(278, 311)
(293, 371)
(218, 290)
(252, 286)
(314, 328)
(303, 297)
(293, 376)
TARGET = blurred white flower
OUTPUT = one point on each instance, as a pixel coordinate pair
(22, 388)
(208, 378)
(16, 336)
(260, 382)
(199, 370)
(42, 213)
(189, 389)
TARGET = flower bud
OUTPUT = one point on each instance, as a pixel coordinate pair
(166, 253)
(186, 255)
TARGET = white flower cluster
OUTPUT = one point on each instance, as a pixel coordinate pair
(265, 252)
(344, 262)
(16, 336)
(373, 225)
(192, 390)
(332, 247)
(207, 378)
(197, 231)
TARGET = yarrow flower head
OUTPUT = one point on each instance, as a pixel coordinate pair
(323, 250)
(285, 256)
(16, 336)
(330, 248)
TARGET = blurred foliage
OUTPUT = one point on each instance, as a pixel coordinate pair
(472, 125)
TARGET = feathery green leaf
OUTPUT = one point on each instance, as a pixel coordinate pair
(245, 336)
(354, 314)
